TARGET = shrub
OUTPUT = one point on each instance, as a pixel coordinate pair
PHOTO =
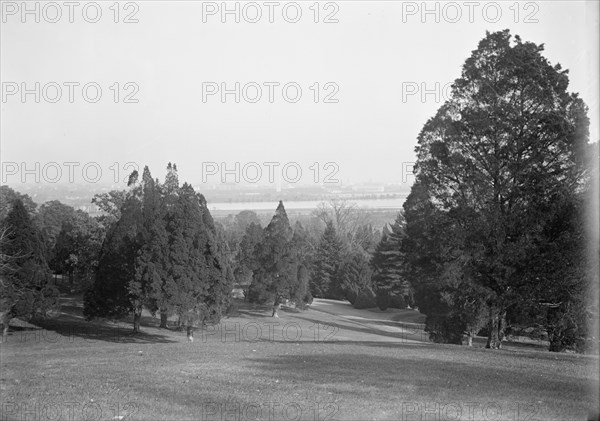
(383, 299)
(351, 296)
(444, 329)
(366, 299)
(398, 301)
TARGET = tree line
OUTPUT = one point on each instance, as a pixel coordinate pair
(493, 237)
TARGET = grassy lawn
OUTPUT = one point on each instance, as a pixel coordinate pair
(305, 365)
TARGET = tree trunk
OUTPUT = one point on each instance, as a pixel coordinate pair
(190, 333)
(555, 333)
(497, 320)
(137, 316)
(469, 339)
(163, 319)
(502, 327)
(276, 306)
(5, 320)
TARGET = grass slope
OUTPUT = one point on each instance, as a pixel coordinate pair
(305, 365)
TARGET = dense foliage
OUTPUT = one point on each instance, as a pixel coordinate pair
(162, 254)
(26, 289)
(492, 219)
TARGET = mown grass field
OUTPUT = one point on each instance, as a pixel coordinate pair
(305, 365)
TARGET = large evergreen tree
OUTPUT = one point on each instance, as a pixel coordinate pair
(356, 273)
(162, 254)
(8, 197)
(25, 281)
(246, 258)
(301, 250)
(151, 260)
(111, 296)
(387, 261)
(489, 165)
(196, 274)
(326, 279)
(276, 271)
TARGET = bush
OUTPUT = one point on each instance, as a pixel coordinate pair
(567, 329)
(398, 301)
(383, 299)
(351, 296)
(308, 299)
(444, 329)
(366, 299)
(258, 294)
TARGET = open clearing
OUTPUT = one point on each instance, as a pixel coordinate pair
(330, 362)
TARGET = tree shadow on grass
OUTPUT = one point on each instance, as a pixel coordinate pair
(73, 327)
(375, 344)
(71, 324)
(292, 310)
(405, 325)
(415, 332)
(251, 314)
(246, 310)
(425, 376)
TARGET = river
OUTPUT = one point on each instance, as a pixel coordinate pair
(308, 205)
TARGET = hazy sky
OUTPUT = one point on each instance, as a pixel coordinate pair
(374, 51)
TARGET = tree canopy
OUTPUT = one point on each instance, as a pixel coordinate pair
(492, 162)
(163, 253)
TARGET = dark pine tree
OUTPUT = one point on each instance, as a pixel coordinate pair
(111, 296)
(276, 272)
(387, 261)
(26, 290)
(163, 254)
(326, 279)
(151, 259)
(246, 258)
(489, 163)
(300, 244)
(356, 273)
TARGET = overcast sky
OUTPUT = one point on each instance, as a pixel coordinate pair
(374, 50)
